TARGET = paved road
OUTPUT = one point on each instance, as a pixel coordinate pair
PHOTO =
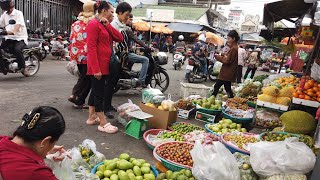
(52, 86)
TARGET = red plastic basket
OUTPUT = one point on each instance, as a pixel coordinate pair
(153, 132)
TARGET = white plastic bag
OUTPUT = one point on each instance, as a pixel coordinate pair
(214, 162)
(168, 105)
(217, 67)
(72, 68)
(315, 71)
(123, 111)
(283, 157)
(97, 157)
(62, 170)
(154, 96)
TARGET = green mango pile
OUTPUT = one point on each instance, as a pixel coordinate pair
(184, 174)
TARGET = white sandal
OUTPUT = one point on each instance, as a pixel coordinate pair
(108, 128)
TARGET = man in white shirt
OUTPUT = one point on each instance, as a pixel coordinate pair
(242, 57)
(17, 37)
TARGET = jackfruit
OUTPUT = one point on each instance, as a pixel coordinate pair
(283, 101)
(267, 98)
(271, 91)
(298, 122)
(287, 92)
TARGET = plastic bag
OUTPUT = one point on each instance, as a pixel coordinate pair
(123, 111)
(168, 105)
(315, 71)
(217, 67)
(97, 157)
(286, 177)
(291, 157)
(246, 171)
(267, 119)
(62, 170)
(223, 164)
(154, 96)
(72, 68)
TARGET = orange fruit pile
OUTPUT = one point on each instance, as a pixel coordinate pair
(311, 91)
(284, 81)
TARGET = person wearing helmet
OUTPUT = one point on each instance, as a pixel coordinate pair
(17, 36)
(180, 44)
(200, 53)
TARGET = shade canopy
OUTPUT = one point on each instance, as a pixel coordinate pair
(141, 26)
(185, 27)
(214, 39)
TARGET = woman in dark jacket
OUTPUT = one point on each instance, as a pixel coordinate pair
(228, 72)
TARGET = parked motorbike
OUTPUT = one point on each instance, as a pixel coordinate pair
(212, 76)
(194, 70)
(32, 60)
(157, 76)
(42, 44)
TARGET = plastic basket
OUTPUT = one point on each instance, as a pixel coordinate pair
(237, 119)
(285, 133)
(251, 104)
(181, 123)
(153, 132)
(207, 111)
(94, 169)
(173, 166)
(210, 131)
(232, 148)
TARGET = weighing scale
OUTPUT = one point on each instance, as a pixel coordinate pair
(138, 124)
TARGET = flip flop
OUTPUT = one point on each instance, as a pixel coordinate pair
(94, 122)
(108, 128)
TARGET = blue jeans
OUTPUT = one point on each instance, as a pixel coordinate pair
(145, 64)
(204, 64)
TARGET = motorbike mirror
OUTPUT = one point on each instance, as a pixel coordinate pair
(12, 22)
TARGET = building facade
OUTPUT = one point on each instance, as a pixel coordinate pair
(250, 24)
(49, 14)
(235, 18)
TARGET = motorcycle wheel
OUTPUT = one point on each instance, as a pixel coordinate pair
(44, 53)
(161, 79)
(190, 77)
(32, 66)
(175, 67)
(211, 76)
(116, 89)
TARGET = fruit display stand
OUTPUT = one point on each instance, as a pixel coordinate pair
(303, 102)
(271, 105)
(237, 119)
(138, 125)
(188, 89)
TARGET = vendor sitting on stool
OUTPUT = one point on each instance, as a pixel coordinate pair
(58, 48)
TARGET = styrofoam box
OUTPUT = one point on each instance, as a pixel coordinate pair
(272, 105)
(185, 114)
(306, 102)
(188, 89)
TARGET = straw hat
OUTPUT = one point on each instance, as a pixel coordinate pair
(88, 9)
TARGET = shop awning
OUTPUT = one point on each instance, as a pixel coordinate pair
(285, 9)
(185, 27)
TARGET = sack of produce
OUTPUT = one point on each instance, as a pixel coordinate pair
(224, 167)
(123, 111)
(283, 101)
(287, 92)
(154, 96)
(267, 98)
(271, 91)
(246, 171)
(282, 157)
(267, 119)
(285, 176)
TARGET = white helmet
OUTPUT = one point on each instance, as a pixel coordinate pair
(181, 38)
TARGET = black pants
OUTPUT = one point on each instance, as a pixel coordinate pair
(15, 47)
(253, 71)
(108, 93)
(83, 85)
(239, 73)
(96, 98)
(227, 86)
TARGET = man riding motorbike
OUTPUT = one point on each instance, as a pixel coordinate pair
(123, 11)
(200, 53)
(17, 37)
(180, 44)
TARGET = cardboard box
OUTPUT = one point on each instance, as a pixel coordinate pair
(186, 114)
(161, 119)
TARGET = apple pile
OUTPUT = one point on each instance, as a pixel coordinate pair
(226, 125)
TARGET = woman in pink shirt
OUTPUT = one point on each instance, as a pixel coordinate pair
(22, 156)
(100, 42)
